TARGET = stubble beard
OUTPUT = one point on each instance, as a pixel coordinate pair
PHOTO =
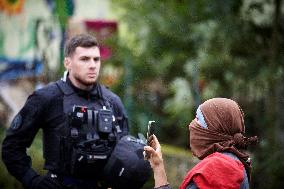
(84, 81)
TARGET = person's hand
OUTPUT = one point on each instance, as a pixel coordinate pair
(45, 182)
(153, 152)
(155, 158)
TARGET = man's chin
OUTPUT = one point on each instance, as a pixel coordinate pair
(86, 81)
(89, 82)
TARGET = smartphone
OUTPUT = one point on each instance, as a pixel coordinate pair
(151, 130)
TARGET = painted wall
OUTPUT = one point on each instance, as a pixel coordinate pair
(35, 33)
(32, 34)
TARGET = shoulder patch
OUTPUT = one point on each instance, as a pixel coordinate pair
(17, 122)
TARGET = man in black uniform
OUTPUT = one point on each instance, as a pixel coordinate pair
(81, 122)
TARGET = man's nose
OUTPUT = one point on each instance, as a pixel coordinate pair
(93, 63)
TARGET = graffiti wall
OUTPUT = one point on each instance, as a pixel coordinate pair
(29, 38)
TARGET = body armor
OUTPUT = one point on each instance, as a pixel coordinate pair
(86, 138)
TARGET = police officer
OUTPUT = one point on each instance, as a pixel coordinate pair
(73, 150)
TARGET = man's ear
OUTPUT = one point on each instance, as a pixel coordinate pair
(67, 63)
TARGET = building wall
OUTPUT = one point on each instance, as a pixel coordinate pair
(19, 33)
(17, 30)
(34, 33)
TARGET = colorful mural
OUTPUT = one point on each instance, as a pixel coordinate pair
(29, 41)
(11, 6)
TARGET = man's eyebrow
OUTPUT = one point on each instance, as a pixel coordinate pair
(84, 57)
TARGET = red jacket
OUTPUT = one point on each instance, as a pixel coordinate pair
(216, 171)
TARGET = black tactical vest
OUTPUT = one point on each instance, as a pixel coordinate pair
(88, 136)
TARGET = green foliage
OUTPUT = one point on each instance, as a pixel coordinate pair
(177, 163)
(183, 52)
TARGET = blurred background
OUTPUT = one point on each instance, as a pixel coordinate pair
(163, 58)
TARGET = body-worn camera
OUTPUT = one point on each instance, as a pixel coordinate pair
(101, 120)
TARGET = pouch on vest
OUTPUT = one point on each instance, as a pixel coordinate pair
(105, 120)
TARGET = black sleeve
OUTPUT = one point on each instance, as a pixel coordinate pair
(20, 136)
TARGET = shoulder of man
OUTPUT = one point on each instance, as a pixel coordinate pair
(107, 93)
(49, 91)
(35, 105)
(114, 99)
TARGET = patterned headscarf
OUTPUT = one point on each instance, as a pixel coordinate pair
(224, 130)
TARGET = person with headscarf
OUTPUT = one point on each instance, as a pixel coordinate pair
(217, 139)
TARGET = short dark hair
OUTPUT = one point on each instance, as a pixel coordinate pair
(81, 40)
